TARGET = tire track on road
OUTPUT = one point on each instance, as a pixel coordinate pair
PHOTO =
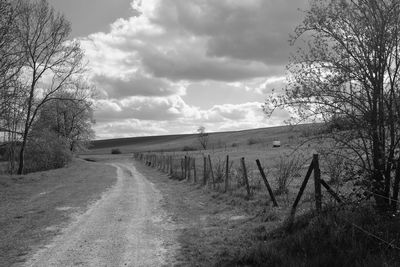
(126, 227)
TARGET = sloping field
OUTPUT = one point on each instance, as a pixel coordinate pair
(286, 134)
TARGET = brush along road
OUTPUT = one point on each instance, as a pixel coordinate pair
(126, 227)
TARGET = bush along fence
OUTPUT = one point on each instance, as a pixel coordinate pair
(185, 168)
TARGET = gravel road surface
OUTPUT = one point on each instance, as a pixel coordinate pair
(126, 227)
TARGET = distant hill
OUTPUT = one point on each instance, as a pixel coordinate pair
(190, 141)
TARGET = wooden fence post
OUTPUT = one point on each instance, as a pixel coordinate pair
(204, 171)
(194, 170)
(271, 194)
(185, 167)
(246, 178)
(182, 169)
(227, 174)
(330, 191)
(303, 186)
(317, 183)
(211, 170)
(189, 159)
(171, 165)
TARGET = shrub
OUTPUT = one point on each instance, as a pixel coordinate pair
(287, 167)
(116, 151)
(189, 148)
(45, 151)
(252, 141)
(335, 166)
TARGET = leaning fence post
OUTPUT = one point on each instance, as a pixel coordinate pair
(317, 183)
(246, 178)
(266, 183)
(303, 186)
(211, 170)
(330, 191)
(227, 174)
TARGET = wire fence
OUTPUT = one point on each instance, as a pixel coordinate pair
(185, 168)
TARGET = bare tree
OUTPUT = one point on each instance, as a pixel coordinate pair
(202, 137)
(52, 62)
(348, 69)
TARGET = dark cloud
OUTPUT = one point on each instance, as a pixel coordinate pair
(186, 64)
(88, 16)
(250, 30)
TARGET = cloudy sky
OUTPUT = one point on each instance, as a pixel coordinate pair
(169, 66)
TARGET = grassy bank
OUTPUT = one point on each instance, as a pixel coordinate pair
(352, 236)
(33, 207)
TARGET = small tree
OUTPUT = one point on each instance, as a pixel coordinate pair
(70, 118)
(202, 137)
(348, 70)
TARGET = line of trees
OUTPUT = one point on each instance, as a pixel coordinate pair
(43, 91)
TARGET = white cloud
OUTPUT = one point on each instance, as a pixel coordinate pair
(146, 65)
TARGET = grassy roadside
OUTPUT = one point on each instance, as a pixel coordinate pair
(34, 206)
(217, 229)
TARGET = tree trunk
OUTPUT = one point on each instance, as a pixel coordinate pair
(22, 155)
(396, 187)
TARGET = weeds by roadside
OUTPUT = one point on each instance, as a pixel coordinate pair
(329, 239)
(287, 168)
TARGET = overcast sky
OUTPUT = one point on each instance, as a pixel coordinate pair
(169, 66)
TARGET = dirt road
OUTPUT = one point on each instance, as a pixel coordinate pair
(126, 227)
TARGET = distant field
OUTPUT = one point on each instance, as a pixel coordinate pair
(288, 135)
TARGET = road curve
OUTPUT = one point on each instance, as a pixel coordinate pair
(126, 227)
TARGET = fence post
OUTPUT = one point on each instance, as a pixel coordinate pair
(227, 174)
(330, 191)
(194, 170)
(303, 186)
(185, 167)
(204, 171)
(317, 183)
(189, 159)
(246, 178)
(211, 170)
(266, 183)
(170, 165)
(182, 168)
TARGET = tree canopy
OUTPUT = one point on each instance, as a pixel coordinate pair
(346, 69)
